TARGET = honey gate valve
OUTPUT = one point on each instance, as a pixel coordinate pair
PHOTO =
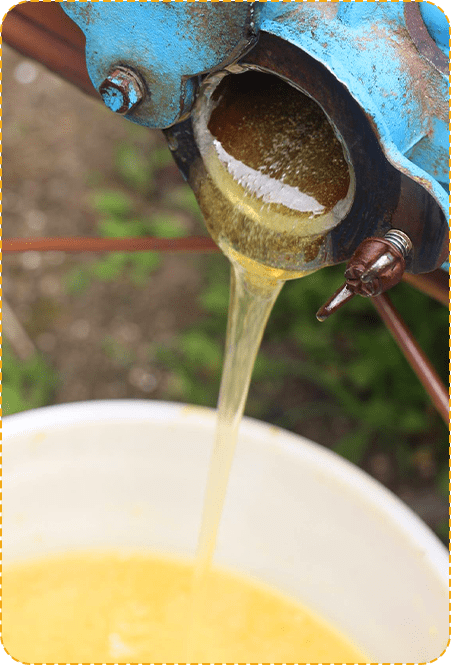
(378, 71)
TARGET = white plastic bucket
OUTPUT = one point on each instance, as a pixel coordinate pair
(132, 474)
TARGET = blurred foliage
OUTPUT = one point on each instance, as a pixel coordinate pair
(119, 354)
(351, 361)
(26, 384)
(119, 216)
(116, 220)
(351, 366)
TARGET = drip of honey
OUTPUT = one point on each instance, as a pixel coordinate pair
(272, 182)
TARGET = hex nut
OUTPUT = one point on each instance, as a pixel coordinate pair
(122, 90)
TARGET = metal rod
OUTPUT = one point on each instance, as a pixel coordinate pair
(42, 31)
(414, 355)
(76, 244)
(434, 284)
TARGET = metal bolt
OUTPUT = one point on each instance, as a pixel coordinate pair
(122, 90)
(400, 240)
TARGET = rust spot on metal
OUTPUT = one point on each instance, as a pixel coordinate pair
(422, 39)
(85, 10)
(126, 85)
(228, 33)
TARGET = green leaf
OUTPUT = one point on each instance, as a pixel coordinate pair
(380, 412)
(261, 368)
(215, 298)
(112, 202)
(166, 226)
(77, 281)
(364, 371)
(312, 336)
(442, 482)
(353, 446)
(413, 421)
(182, 197)
(120, 228)
(112, 228)
(200, 350)
(26, 384)
(111, 267)
(160, 158)
(13, 400)
(133, 167)
(144, 264)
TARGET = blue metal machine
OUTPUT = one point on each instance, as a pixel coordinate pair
(378, 70)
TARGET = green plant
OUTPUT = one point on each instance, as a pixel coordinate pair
(119, 216)
(347, 369)
(27, 384)
(351, 360)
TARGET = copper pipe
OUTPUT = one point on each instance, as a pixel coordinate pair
(42, 31)
(188, 244)
(414, 355)
(434, 284)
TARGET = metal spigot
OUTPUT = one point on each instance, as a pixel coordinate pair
(376, 266)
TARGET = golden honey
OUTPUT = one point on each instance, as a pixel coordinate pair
(110, 607)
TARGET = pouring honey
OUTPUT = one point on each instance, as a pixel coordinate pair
(274, 179)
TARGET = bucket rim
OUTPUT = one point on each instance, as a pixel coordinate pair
(345, 472)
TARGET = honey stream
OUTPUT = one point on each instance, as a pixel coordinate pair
(273, 181)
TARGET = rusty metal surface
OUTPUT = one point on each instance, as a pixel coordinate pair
(42, 31)
(122, 90)
(422, 39)
(385, 197)
(169, 44)
(414, 355)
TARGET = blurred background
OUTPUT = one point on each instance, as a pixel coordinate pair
(152, 326)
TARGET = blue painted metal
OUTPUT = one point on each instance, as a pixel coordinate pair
(122, 90)
(437, 25)
(168, 43)
(366, 46)
(114, 98)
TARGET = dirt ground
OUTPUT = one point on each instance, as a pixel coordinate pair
(55, 141)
